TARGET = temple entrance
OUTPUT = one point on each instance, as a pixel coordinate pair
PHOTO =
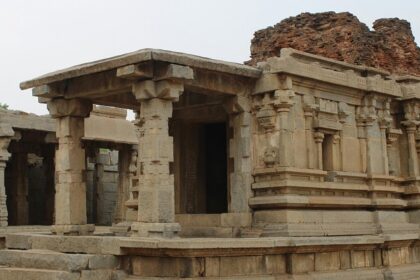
(200, 163)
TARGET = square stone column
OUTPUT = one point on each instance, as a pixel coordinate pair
(70, 164)
(156, 190)
(6, 133)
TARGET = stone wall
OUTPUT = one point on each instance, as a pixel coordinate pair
(390, 45)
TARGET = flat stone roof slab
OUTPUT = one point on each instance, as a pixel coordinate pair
(141, 56)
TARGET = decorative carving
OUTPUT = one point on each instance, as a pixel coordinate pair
(309, 105)
(265, 113)
(385, 118)
(283, 100)
(366, 113)
(327, 116)
(343, 112)
(411, 114)
(270, 156)
(392, 135)
(165, 89)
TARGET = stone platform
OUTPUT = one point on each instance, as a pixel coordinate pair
(33, 255)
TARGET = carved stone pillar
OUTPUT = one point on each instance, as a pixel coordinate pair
(6, 132)
(156, 190)
(367, 127)
(70, 164)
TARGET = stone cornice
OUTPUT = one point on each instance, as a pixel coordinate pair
(334, 72)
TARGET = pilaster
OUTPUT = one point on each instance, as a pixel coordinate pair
(70, 164)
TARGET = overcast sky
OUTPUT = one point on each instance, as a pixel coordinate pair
(42, 36)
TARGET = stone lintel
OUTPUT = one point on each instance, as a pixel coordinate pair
(139, 71)
(60, 107)
(46, 91)
(174, 72)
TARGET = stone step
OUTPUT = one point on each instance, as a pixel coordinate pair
(102, 245)
(404, 272)
(12, 273)
(45, 259)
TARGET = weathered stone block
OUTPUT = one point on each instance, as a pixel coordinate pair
(327, 261)
(301, 263)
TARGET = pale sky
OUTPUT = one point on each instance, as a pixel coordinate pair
(46, 35)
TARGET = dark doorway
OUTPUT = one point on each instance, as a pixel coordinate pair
(216, 168)
(327, 152)
(200, 167)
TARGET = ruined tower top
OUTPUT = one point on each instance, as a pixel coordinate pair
(390, 45)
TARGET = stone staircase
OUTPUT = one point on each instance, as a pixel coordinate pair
(45, 264)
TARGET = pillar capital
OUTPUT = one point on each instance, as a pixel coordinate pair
(319, 137)
(237, 104)
(164, 89)
(61, 107)
(6, 134)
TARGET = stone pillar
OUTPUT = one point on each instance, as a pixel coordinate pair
(70, 164)
(6, 132)
(310, 153)
(283, 103)
(124, 159)
(393, 159)
(385, 162)
(156, 195)
(361, 135)
(413, 164)
(98, 194)
(240, 151)
(370, 168)
(319, 138)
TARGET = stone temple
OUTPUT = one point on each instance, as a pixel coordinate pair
(302, 163)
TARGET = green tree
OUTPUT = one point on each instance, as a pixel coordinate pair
(4, 106)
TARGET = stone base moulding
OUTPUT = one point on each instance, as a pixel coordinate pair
(165, 230)
(73, 229)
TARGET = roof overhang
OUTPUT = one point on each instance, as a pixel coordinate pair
(109, 81)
